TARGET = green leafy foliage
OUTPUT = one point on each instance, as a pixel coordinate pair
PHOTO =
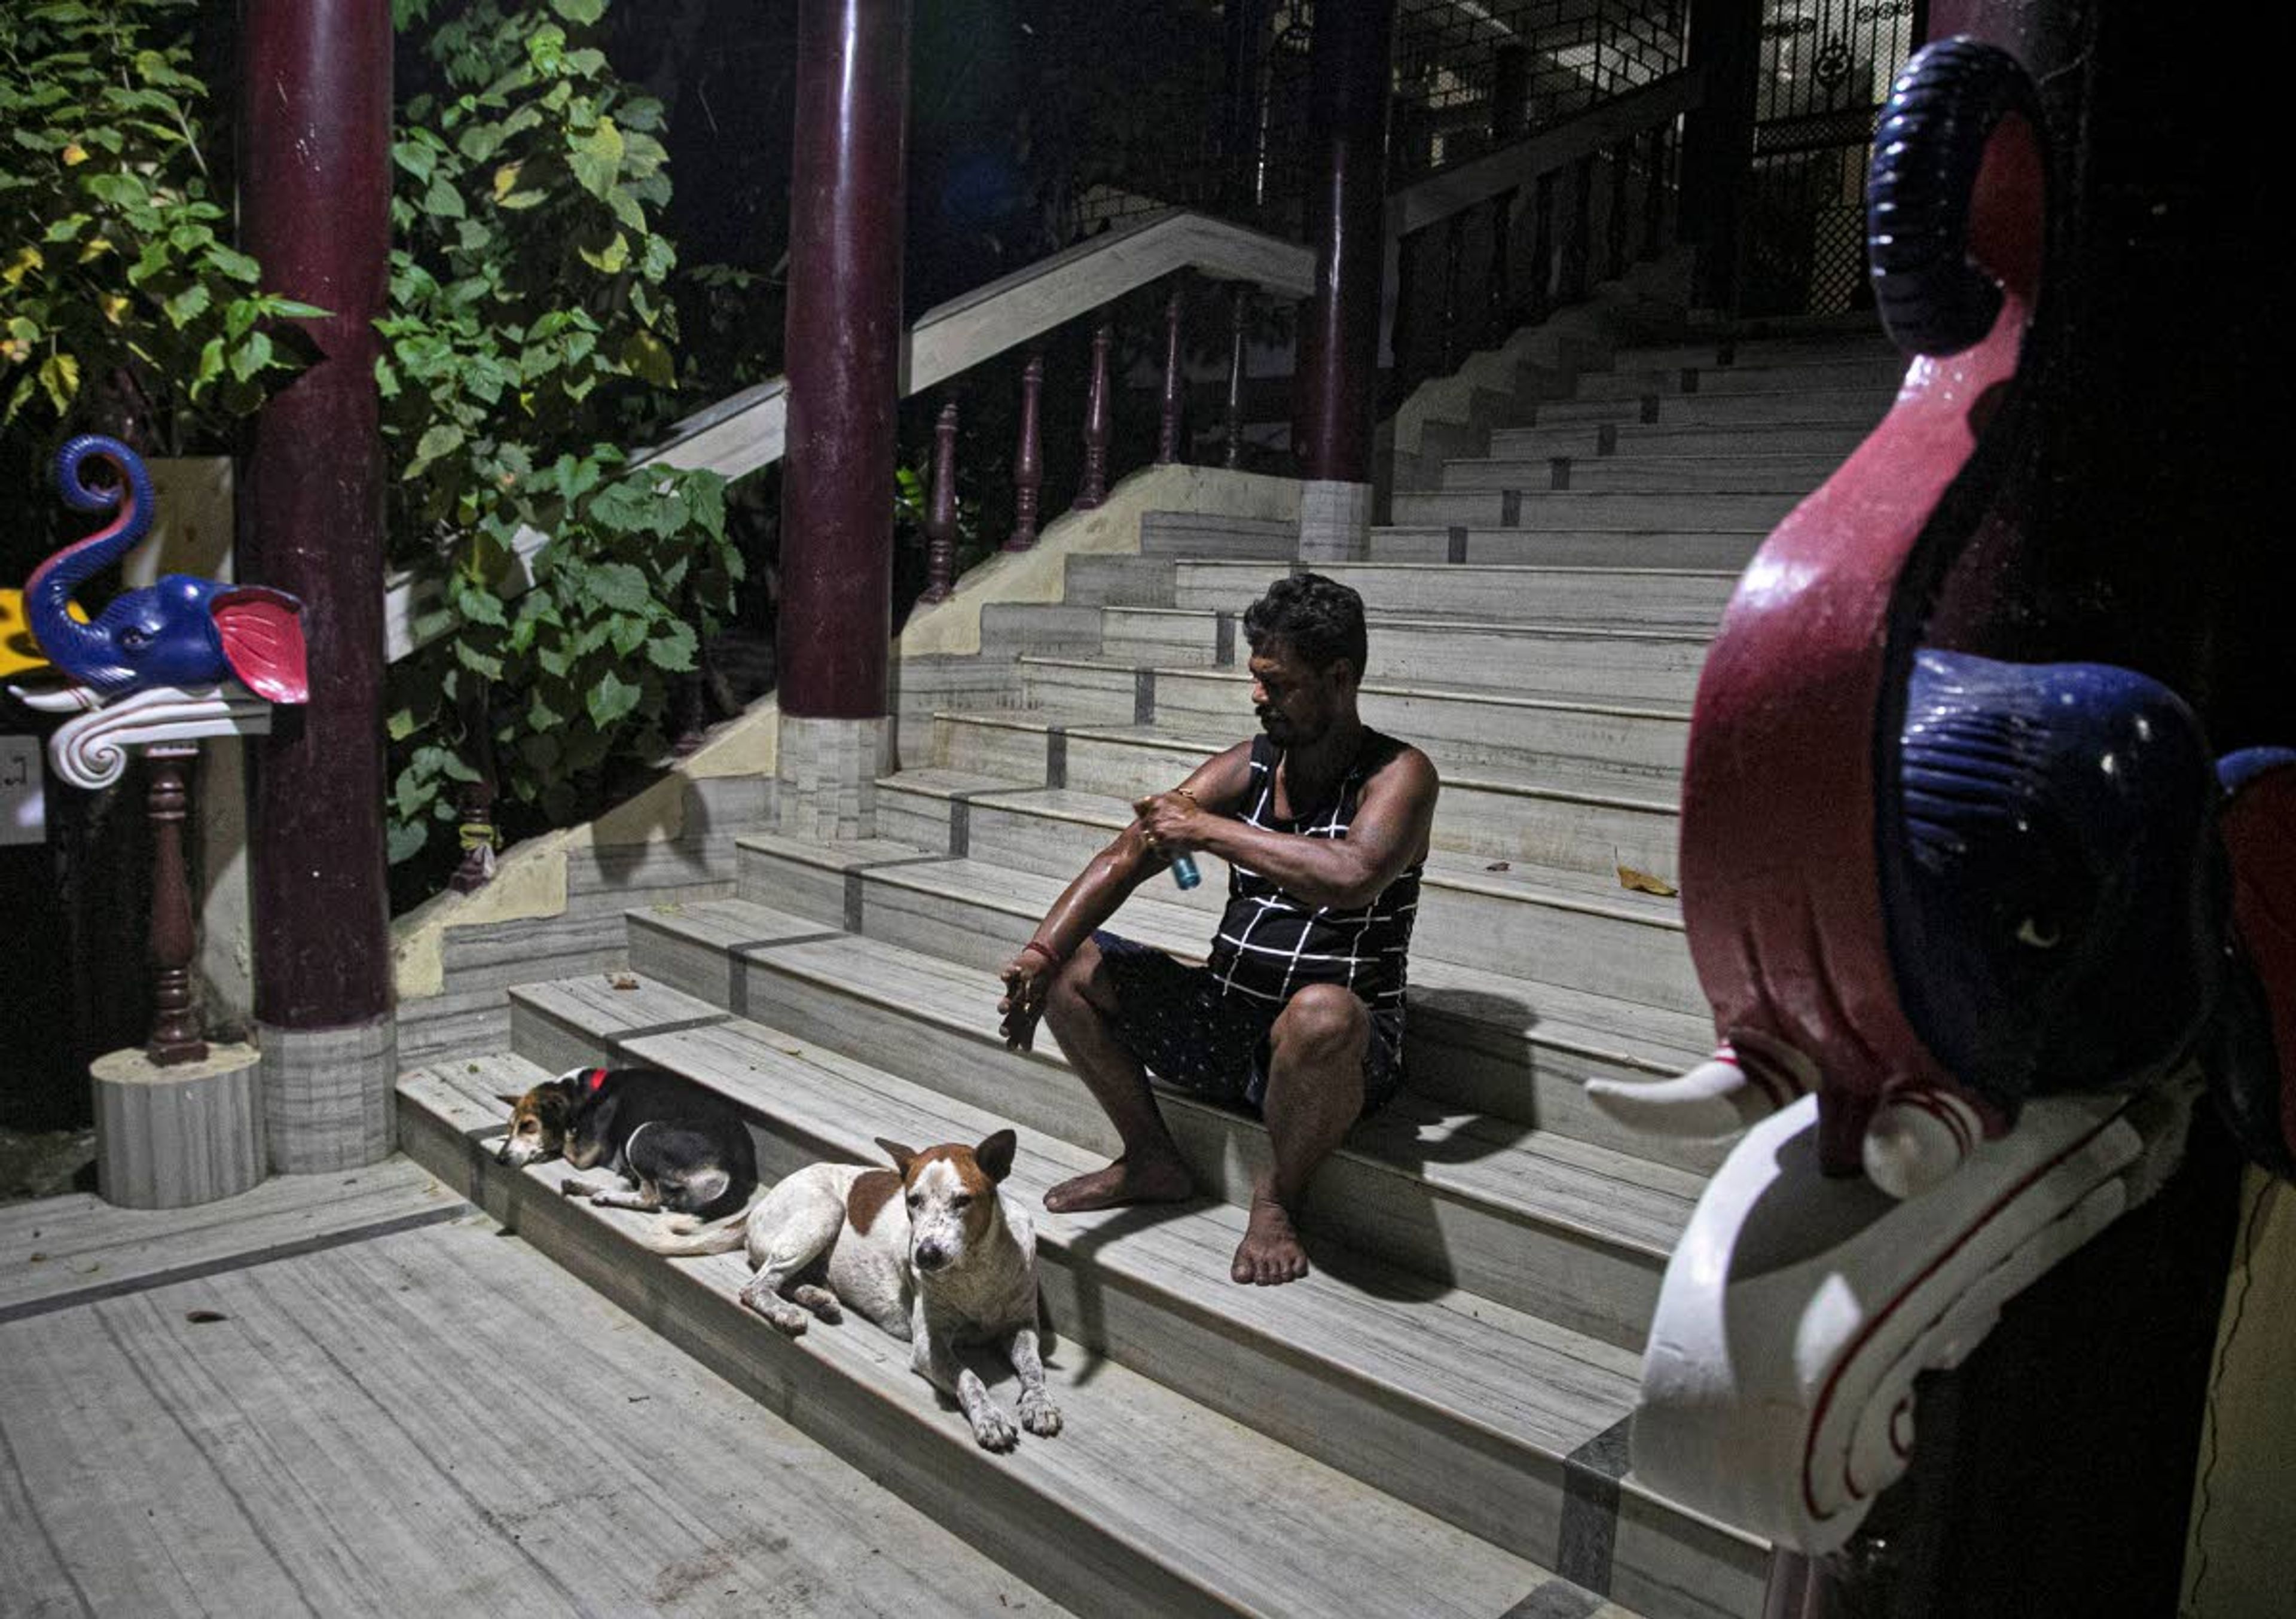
(530, 326)
(119, 298)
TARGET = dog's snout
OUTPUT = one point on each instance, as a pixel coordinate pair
(930, 1255)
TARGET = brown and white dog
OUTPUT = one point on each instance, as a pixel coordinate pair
(934, 1254)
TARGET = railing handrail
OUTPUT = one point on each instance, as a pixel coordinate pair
(1495, 173)
(746, 430)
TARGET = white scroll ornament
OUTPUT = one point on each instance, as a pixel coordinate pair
(90, 749)
(1798, 1308)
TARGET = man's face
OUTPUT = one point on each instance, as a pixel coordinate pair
(1296, 702)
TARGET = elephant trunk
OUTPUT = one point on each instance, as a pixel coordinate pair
(78, 650)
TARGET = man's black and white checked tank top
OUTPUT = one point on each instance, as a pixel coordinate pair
(1271, 944)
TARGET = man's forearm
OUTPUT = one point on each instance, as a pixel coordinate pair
(1099, 889)
(1320, 871)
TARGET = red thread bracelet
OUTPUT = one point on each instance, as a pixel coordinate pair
(1052, 957)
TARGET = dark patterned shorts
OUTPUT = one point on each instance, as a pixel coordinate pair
(1176, 1020)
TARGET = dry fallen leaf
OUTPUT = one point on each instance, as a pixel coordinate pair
(1498, 866)
(1642, 882)
(623, 980)
(200, 1318)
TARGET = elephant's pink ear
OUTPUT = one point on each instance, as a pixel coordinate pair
(262, 633)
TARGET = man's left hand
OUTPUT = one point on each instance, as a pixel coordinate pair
(1170, 822)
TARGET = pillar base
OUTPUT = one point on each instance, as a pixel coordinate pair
(330, 1096)
(827, 771)
(1335, 520)
(170, 1138)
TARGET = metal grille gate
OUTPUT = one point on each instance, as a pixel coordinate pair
(1826, 71)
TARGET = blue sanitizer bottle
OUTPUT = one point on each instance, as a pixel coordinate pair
(1184, 872)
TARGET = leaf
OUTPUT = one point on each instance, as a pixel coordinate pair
(1642, 882)
(613, 259)
(188, 305)
(596, 159)
(59, 376)
(672, 651)
(250, 356)
(582, 12)
(442, 201)
(646, 357)
(443, 440)
(621, 587)
(611, 698)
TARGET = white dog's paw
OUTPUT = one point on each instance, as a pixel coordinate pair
(820, 1300)
(1039, 1416)
(784, 1316)
(993, 1428)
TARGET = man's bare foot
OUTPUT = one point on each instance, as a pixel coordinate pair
(1123, 1181)
(1270, 1252)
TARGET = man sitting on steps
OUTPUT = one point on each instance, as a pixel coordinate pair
(1299, 1011)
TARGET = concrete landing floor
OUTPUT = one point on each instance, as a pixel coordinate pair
(355, 1394)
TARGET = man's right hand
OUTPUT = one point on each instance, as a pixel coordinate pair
(1028, 980)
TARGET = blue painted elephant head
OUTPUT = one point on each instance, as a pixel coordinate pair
(182, 631)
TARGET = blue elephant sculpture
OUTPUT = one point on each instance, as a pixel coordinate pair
(182, 631)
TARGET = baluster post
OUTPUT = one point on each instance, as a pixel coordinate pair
(1454, 248)
(1542, 248)
(174, 1023)
(1655, 191)
(1094, 490)
(941, 510)
(1497, 305)
(1578, 258)
(1168, 416)
(474, 800)
(1615, 227)
(1236, 311)
(1028, 459)
(1405, 330)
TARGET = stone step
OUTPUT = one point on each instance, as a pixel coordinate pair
(1147, 1500)
(1477, 1043)
(1622, 598)
(1653, 474)
(1859, 406)
(1572, 1232)
(1585, 745)
(1583, 441)
(1573, 512)
(1640, 667)
(1580, 930)
(1759, 353)
(1202, 534)
(1118, 582)
(1633, 376)
(1460, 1414)
(1726, 552)
(1575, 815)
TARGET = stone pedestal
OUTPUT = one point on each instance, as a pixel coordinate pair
(1335, 520)
(188, 1133)
(330, 1094)
(827, 772)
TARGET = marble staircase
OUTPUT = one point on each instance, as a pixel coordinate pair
(1436, 1421)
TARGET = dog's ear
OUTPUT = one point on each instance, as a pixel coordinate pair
(994, 1155)
(510, 1099)
(901, 1155)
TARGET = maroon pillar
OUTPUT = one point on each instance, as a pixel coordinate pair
(843, 356)
(1349, 62)
(315, 207)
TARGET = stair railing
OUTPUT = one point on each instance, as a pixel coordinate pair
(1459, 234)
(746, 432)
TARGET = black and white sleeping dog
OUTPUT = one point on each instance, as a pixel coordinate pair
(681, 1148)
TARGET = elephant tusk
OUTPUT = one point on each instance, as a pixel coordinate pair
(1716, 1098)
(56, 699)
(1917, 1139)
